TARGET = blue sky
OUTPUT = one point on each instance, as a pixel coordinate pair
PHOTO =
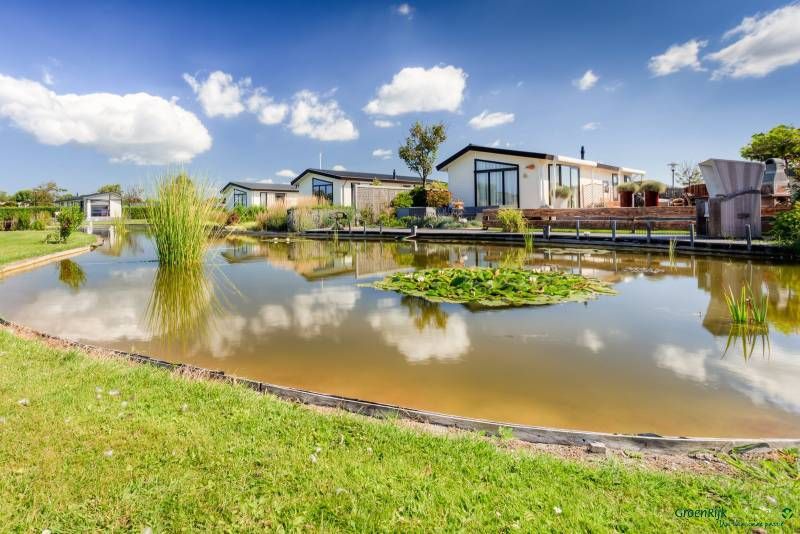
(113, 92)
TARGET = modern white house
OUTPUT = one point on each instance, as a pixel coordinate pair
(258, 194)
(482, 177)
(96, 206)
(349, 188)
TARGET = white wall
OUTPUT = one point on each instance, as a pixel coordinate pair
(342, 189)
(254, 197)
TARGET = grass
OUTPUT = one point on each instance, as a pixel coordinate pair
(746, 309)
(506, 286)
(20, 245)
(180, 215)
(103, 445)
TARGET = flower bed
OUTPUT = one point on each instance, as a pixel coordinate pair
(495, 287)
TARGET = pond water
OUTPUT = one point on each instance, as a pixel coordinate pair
(657, 357)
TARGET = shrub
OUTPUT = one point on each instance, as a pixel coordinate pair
(41, 220)
(653, 186)
(274, 219)
(23, 220)
(402, 200)
(628, 187)
(436, 195)
(233, 218)
(511, 220)
(786, 229)
(563, 191)
(135, 212)
(69, 219)
(248, 213)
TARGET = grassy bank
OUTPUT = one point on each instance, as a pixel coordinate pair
(15, 246)
(91, 444)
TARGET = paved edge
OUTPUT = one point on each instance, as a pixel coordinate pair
(28, 263)
(533, 434)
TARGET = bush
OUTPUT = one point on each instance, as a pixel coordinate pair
(233, 218)
(41, 220)
(402, 200)
(628, 187)
(247, 213)
(435, 196)
(786, 229)
(14, 218)
(23, 220)
(274, 219)
(511, 220)
(69, 219)
(563, 191)
(653, 186)
(135, 212)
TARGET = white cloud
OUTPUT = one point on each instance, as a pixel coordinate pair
(766, 42)
(416, 89)
(286, 173)
(683, 362)
(339, 168)
(315, 312)
(419, 344)
(405, 10)
(47, 76)
(219, 95)
(383, 153)
(318, 119)
(587, 81)
(138, 127)
(591, 340)
(677, 57)
(495, 143)
(265, 181)
(266, 109)
(381, 123)
(490, 120)
(589, 126)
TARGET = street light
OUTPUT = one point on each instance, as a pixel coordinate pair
(672, 168)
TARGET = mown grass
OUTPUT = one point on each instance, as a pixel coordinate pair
(103, 445)
(20, 245)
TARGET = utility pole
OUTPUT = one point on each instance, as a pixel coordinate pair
(672, 167)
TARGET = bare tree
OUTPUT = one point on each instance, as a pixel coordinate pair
(689, 174)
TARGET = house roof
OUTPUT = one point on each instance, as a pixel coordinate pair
(262, 186)
(525, 154)
(360, 176)
(80, 197)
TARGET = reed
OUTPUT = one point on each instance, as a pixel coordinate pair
(737, 307)
(746, 309)
(182, 215)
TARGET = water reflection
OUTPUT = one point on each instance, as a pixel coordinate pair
(182, 302)
(751, 341)
(71, 274)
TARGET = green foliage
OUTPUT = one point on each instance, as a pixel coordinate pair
(402, 200)
(110, 188)
(24, 196)
(494, 287)
(273, 219)
(746, 309)
(786, 228)
(69, 219)
(421, 147)
(40, 220)
(247, 213)
(136, 212)
(181, 216)
(511, 220)
(563, 191)
(45, 194)
(628, 187)
(782, 141)
(15, 246)
(435, 195)
(653, 186)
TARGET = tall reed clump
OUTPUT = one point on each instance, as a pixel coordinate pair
(183, 215)
(746, 309)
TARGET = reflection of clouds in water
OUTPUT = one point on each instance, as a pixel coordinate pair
(682, 362)
(591, 340)
(224, 335)
(101, 315)
(270, 317)
(400, 330)
(770, 380)
(324, 307)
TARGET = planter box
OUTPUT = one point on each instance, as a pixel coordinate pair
(650, 198)
(626, 199)
(415, 212)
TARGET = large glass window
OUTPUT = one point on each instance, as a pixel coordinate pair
(496, 184)
(565, 175)
(100, 208)
(239, 198)
(614, 184)
(322, 189)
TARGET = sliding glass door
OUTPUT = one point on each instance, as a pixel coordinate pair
(496, 184)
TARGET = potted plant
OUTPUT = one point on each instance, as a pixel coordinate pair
(652, 188)
(626, 192)
(562, 193)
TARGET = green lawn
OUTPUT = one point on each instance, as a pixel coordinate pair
(103, 445)
(16, 246)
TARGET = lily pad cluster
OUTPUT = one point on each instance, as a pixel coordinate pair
(487, 286)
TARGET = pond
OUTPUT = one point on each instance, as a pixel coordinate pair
(659, 356)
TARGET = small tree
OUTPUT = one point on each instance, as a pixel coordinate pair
(69, 219)
(422, 145)
(110, 188)
(689, 174)
(45, 194)
(23, 196)
(783, 141)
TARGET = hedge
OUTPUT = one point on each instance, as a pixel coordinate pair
(23, 218)
(137, 211)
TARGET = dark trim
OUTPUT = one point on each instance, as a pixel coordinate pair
(608, 167)
(384, 179)
(493, 150)
(258, 187)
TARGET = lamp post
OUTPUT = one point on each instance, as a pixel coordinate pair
(672, 168)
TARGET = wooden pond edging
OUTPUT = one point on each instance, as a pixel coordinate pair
(29, 263)
(533, 434)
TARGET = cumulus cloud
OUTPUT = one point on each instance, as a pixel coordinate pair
(416, 89)
(405, 10)
(286, 173)
(139, 127)
(587, 81)
(677, 57)
(265, 108)
(766, 42)
(381, 123)
(320, 119)
(219, 94)
(416, 344)
(589, 126)
(383, 153)
(490, 120)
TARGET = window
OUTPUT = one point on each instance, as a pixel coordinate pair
(100, 208)
(239, 198)
(496, 184)
(614, 184)
(565, 175)
(322, 189)
(263, 197)
(280, 198)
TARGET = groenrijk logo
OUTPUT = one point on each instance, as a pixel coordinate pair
(710, 513)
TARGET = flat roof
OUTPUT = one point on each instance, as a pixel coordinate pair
(80, 197)
(262, 186)
(527, 154)
(360, 176)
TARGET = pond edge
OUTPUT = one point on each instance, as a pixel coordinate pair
(36, 261)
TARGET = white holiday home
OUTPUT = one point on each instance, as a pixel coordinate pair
(485, 177)
(96, 206)
(249, 194)
(345, 188)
